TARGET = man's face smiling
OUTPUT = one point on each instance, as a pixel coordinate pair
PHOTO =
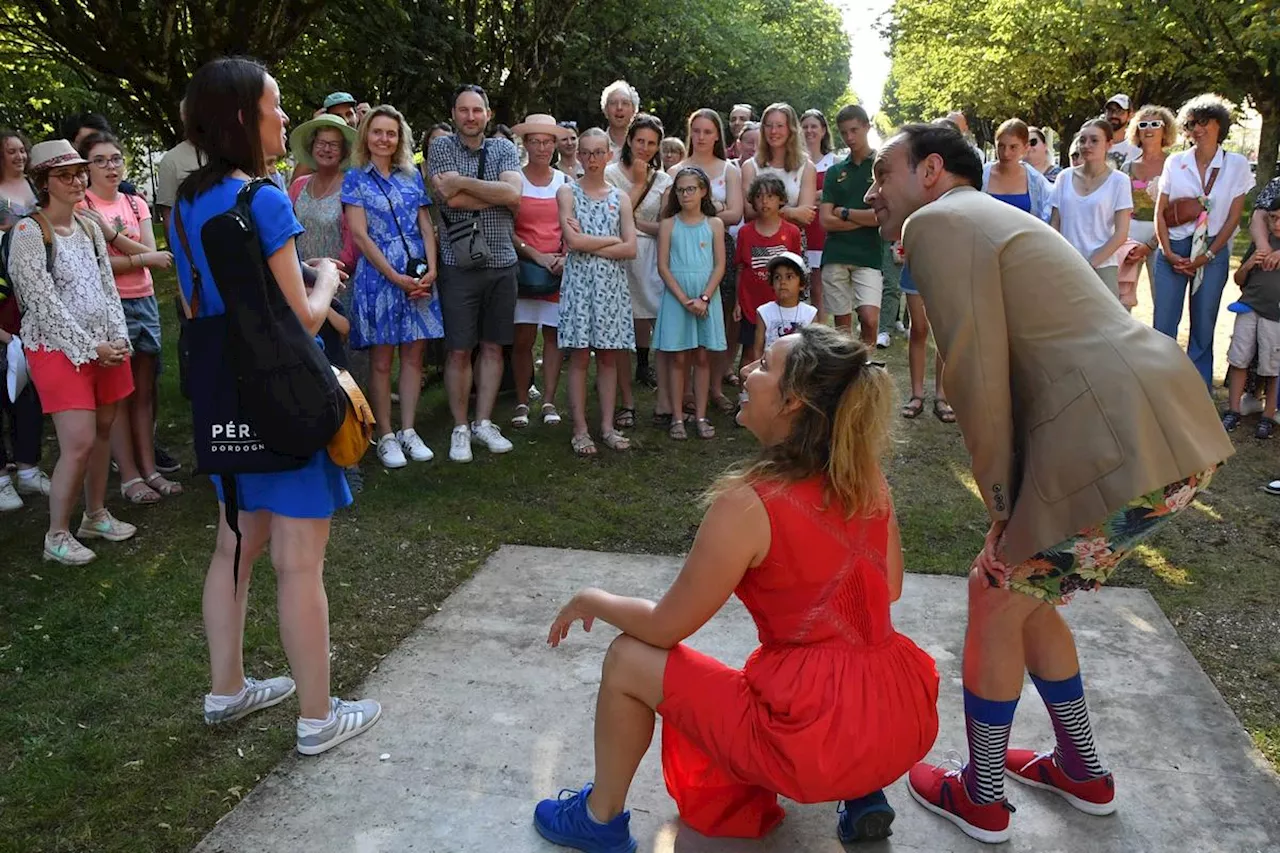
(896, 191)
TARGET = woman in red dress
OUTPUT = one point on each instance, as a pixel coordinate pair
(834, 704)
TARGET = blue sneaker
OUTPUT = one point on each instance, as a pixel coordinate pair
(565, 821)
(865, 819)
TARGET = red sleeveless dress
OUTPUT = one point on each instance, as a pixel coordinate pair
(833, 705)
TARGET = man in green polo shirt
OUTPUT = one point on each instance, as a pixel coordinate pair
(851, 277)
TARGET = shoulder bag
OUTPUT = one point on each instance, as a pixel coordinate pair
(466, 238)
(1184, 210)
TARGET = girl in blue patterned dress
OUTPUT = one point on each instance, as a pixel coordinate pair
(690, 318)
(386, 207)
(595, 301)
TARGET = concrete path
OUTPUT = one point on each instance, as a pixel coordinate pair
(482, 720)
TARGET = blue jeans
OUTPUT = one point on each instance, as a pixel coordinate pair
(1171, 293)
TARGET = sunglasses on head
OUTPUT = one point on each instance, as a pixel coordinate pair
(1151, 124)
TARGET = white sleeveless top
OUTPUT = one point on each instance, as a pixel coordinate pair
(791, 180)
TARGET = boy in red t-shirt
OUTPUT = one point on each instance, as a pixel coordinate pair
(759, 241)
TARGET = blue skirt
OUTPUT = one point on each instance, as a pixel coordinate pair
(317, 490)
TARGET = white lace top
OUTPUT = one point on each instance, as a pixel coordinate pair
(77, 307)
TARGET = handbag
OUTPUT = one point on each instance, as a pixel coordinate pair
(533, 280)
(466, 238)
(351, 441)
(414, 267)
(1185, 210)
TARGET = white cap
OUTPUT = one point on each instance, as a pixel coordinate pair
(1122, 101)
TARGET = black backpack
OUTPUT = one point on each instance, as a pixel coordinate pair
(50, 249)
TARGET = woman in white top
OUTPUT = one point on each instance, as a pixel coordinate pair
(704, 135)
(1195, 238)
(781, 153)
(17, 199)
(817, 143)
(1092, 204)
(1152, 129)
(637, 174)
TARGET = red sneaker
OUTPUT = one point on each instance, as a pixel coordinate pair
(1039, 770)
(942, 792)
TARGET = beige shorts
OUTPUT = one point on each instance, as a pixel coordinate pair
(846, 288)
(1254, 335)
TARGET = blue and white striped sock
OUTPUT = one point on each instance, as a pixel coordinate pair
(987, 723)
(1075, 752)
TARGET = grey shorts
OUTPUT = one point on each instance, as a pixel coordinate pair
(142, 319)
(478, 305)
(1255, 335)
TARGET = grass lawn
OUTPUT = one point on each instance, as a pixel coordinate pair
(102, 668)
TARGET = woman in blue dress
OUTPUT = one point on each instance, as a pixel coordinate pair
(237, 123)
(393, 307)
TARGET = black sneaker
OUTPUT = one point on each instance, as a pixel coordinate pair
(165, 463)
(1230, 420)
(867, 818)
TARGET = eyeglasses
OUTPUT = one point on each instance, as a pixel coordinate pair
(687, 190)
(593, 154)
(103, 162)
(69, 178)
(326, 145)
(539, 141)
(1193, 123)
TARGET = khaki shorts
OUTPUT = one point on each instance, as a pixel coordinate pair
(846, 288)
(1255, 335)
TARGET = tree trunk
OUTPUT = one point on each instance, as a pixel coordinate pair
(1268, 105)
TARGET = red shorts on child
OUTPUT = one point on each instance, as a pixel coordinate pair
(63, 387)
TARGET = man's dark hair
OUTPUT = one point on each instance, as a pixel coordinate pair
(71, 124)
(852, 112)
(958, 157)
(468, 87)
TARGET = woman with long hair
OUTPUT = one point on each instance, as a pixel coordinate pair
(1092, 204)
(1011, 178)
(781, 153)
(706, 143)
(639, 175)
(393, 308)
(1041, 158)
(817, 144)
(17, 198)
(76, 345)
(125, 221)
(835, 704)
(235, 120)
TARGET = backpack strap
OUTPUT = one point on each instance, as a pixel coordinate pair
(46, 233)
(191, 308)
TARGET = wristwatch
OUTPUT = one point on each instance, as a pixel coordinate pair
(705, 298)
(1208, 253)
(844, 214)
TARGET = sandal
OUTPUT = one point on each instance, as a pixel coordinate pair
(1230, 420)
(625, 419)
(677, 431)
(705, 429)
(732, 378)
(168, 488)
(583, 445)
(142, 497)
(724, 404)
(690, 408)
(616, 441)
(913, 408)
(521, 418)
(662, 420)
(942, 411)
(1266, 427)
(550, 416)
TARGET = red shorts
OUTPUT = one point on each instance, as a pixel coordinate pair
(63, 387)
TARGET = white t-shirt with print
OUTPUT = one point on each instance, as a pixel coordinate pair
(1088, 222)
(780, 322)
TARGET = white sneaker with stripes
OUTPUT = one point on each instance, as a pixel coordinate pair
(346, 720)
(255, 696)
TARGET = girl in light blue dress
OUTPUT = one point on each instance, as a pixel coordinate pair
(691, 319)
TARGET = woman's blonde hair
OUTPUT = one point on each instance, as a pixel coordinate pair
(841, 430)
(1147, 111)
(402, 160)
(794, 154)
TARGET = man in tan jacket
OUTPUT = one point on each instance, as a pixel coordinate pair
(1087, 431)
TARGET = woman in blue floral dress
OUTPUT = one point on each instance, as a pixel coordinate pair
(595, 301)
(393, 307)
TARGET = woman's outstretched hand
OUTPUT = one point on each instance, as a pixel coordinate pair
(579, 607)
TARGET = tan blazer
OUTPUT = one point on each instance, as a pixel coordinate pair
(1069, 406)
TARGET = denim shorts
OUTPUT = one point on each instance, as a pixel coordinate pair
(142, 318)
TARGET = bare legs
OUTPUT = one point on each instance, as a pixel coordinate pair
(630, 690)
(458, 376)
(84, 454)
(868, 323)
(918, 349)
(133, 432)
(607, 361)
(522, 362)
(410, 382)
(679, 372)
(297, 552)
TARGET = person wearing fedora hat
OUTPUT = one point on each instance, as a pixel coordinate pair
(77, 345)
(324, 145)
(541, 252)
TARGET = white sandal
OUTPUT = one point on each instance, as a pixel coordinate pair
(550, 416)
(139, 498)
(167, 488)
(521, 419)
